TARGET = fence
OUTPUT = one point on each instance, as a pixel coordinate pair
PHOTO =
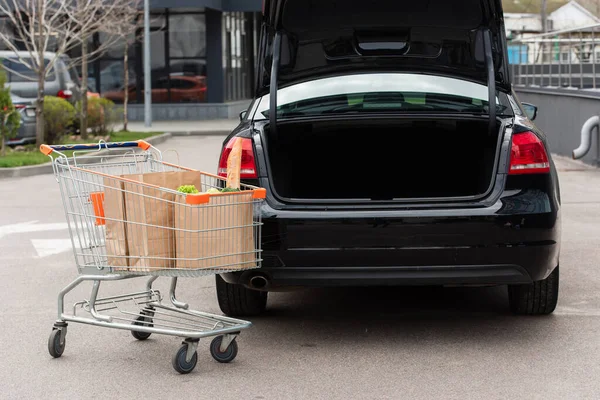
(561, 59)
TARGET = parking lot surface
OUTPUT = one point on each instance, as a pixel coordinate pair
(391, 343)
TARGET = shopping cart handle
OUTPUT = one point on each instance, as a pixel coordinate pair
(47, 150)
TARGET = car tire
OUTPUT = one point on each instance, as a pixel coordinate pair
(537, 298)
(238, 301)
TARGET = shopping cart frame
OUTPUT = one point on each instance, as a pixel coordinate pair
(152, 315)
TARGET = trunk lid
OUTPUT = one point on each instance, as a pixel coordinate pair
(335, 37)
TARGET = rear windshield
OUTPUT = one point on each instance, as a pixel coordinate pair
(19, 72)
(73, 74)
(367, 93)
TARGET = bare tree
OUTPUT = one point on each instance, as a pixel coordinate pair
(39, 26)
(90, 17)
(124, 25)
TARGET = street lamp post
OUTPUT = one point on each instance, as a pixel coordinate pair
(147, 70)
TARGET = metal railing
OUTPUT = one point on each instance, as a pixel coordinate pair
(561, 59)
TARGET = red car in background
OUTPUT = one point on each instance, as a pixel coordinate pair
(184, 89)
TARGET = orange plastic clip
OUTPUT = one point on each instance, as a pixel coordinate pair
(97, 199)
(259, 193)
(196, 199)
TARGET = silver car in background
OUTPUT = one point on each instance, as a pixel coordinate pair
(26, 132)
(61, 81)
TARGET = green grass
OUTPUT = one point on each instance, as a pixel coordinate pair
(129, 136)
(21, 159)
(32, 155)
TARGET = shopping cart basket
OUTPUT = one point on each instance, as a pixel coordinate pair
(127, 219)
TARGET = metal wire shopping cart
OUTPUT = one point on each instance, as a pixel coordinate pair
(126, 219)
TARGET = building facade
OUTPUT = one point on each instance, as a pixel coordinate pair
(202, 60)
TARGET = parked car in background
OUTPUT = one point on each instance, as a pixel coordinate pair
(61, 81)
(26, 133)
(395, 152)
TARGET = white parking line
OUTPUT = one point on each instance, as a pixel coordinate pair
(31, 226)
(49, 247)
(571, 311)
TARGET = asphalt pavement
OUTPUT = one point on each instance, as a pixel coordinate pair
(392, 343)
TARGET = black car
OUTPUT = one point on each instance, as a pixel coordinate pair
(395, 152)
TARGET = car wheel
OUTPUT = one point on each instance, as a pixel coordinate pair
(537, 298)
(238, 301)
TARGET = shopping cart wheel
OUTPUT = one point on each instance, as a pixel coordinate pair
(180, 363)
(142, 321)
(223, 356)
(56, 343)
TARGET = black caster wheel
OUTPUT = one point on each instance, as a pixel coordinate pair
(179, 362)
(223, 356)
(142, 321)
(55, 347)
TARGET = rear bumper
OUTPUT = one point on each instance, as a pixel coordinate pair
(434, 266)
(386, 276)
(516, 240)
(25, 134)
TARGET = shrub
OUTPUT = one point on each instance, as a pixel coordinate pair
(9, 116)
(103, 115)
(59, 115)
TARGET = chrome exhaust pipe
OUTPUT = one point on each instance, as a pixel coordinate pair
(259, 282)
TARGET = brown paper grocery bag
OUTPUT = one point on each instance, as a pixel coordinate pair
(205, 236)
(114, 214)
(149, 210)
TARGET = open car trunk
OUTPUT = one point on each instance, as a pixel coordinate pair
(420, 159)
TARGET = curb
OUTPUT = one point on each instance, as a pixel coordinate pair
(42, 169)
(30, 170)
(158, 139)
(221, 132)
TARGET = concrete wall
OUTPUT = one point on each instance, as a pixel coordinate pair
(561, 115)
(189, 112)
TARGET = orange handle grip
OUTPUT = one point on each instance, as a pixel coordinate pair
(46, 150)
(142, 144)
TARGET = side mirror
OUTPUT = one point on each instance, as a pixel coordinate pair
(530, 110)
(243, 115)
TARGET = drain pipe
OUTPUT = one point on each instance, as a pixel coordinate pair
(586, 137)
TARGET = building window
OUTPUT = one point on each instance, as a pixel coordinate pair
(187, 57)
(177, 61)
(238, 54)
(187, 36)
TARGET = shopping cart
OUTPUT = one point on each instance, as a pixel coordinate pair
(122, 227)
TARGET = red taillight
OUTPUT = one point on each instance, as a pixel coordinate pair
(528, 155)
(20, 106)
(64, 94)
(248, 170)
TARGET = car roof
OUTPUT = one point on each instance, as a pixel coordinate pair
(26, 54)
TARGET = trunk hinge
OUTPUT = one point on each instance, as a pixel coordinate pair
(274, 85)
(489, 62)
